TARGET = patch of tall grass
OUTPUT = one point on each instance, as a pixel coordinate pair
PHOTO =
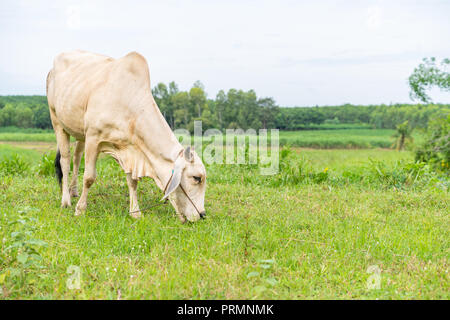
(13, 165)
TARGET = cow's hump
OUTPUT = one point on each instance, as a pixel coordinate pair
(65, 60)
(136, 64)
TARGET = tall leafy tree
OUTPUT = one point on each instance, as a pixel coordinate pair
(180, 102)
(23, 117)
(220, 106)
(428, 74)
(198, 100)
(268, 112)
(7, 115)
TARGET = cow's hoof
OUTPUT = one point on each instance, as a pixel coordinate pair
(136, 215)
(79, 212)
(182, 218)
(74, 193)
(65, 204)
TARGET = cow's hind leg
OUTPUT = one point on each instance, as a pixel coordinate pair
(73, 188)
(90, 157)
(63, 140)
(134, 206)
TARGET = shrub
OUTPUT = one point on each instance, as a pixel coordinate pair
(20, 257)
(14, 165)
(46, 167)
(295, 171)
(436, 147)
(402, 174)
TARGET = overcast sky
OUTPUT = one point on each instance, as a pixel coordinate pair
(299, 52)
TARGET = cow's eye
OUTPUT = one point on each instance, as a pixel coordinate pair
(197, 179)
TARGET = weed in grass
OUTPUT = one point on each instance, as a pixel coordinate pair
(20, 258)
(47, 165)
(14, 165)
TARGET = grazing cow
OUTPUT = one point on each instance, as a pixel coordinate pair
(106, 104)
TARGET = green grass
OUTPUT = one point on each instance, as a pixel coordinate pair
(261, 240)
(340, 138)
(324, 138)
(335, 126)
(12, 129)
(341, 160)
(7, 151)
(21, 136)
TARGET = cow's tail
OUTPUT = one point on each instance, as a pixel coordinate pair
(59, 173)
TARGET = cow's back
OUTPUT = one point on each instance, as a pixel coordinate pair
(75, 75)
(84, 86)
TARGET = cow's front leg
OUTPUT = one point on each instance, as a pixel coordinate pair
(135, 212)
(90, 157)
(73, 188)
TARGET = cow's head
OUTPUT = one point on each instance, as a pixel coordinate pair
(186, 190)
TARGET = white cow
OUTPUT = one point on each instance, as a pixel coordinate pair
(106, 104)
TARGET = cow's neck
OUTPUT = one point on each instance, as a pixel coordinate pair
(159, 143)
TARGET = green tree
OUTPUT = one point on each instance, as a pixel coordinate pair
(164, 98)
(41, 117)
(402, 135)
(197, 98)
(7, 115)
(23, 117)
(180, 102)
(161, 94)
(220, 105)
(436, 147)
(269, 111)
(173, 88)
(427, 75)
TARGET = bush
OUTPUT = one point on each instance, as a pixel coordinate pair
(402, 174)
(14, 165)
(436, 147)
(295, 171)
(46, 167)
(20, 257)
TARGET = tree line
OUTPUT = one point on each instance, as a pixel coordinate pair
(24, 112)
(237, 109)
(229, 110)
(377, 116)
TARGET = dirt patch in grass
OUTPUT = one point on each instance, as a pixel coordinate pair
(32, 145)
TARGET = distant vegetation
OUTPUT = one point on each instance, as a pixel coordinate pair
(24, 112)
(239, 109)
(26, 118)
(323, 139)
(427, 75)
(339, 138)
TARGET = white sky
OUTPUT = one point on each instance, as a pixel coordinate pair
(298, 52)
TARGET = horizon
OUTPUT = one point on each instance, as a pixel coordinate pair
(301, 54)
(410, 103)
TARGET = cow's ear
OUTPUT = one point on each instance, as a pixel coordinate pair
(188, 155)
(176, 179)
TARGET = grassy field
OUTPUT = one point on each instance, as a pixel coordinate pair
(341, 138)
(329, 225)
(324, 139)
